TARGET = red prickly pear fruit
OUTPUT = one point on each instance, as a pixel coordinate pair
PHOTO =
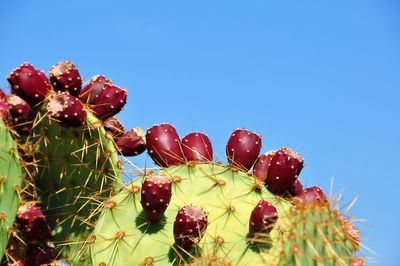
(190, 226)
(32, 221)
(156, 195)
(132, 143)
(285, 167)
(91, 91)
(16, 247)
(260, 169)
(66, 109)
(65, 77)
(29, 84)
(20, 110)
(312, 196)
(197, 146)
(163, 145)
(109, 102)
(40, 255)
(114, 126)
(243, 148)
(295, 189)
(262, 219)
(4, 112)
(3, 95)
(357, 262)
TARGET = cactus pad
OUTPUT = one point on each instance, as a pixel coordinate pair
(227, 196)
(77, 169)
(10, 183)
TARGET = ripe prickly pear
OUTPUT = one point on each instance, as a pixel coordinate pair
(109, 102)
(114, 126)
(66, 109)
(156, 195)
(260, 169)
(312, 195)
(295, 189)
(197, 146)
(190, 226)
(283, 170)
(91, 92)
(65, 77)
(163, 145)
(29, 84)
(20, 110)
(262, 219)
(32, 221)
(243, 148)
(40, 255)
(132, 143)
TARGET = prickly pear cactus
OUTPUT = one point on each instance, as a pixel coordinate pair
(218, 215)
(189, 211)
(227, 196)
(316, 237)
(74, 162)
(77, 168)
(10, 184)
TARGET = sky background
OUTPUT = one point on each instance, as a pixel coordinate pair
(322, 77)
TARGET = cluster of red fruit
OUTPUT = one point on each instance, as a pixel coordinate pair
(66, 102)
(278, 170)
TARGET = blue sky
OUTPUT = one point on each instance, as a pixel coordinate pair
(322, 77)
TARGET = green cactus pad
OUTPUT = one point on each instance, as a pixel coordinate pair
(77, 168)
(316, 237)
(123, 237)
(10, 183)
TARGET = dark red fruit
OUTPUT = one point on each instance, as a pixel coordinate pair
(196, 146)
(285, 167)
(32, 221)
(29, 84)
(312, 196)
(295, 189)
(4, 112)
(65, 77)
(260, 170)
(132, 143)
(109, 102)
(40, 255)
(163, 145)
(20, 110)
(3, 95)
(243, 148)
(156, 195)
(262, 219)
(189, 226)
(91, 91)
(66, 109)
(114, 126)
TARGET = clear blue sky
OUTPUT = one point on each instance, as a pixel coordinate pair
(321, 78)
